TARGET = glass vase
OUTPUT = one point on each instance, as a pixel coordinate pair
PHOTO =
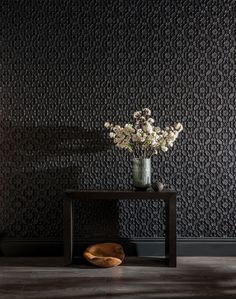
(141, 173)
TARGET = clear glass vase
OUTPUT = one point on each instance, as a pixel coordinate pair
(141, 173)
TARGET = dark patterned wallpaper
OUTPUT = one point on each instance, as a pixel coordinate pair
(68, 66)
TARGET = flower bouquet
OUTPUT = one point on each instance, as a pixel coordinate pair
(143, 139)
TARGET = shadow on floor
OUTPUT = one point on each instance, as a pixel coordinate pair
(199, 278)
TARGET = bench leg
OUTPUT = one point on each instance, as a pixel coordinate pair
(170, 241)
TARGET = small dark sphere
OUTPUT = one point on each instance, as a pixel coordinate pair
(157, 186)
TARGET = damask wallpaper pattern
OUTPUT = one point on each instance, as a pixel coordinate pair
(69, 66)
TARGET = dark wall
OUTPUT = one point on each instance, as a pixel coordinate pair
(69, 66)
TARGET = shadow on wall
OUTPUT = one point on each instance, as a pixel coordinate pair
(39, 163)
(38, 141)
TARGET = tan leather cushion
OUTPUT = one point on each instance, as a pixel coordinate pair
(105, 254)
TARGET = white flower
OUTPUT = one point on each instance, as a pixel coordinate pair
(137, 114)
(112, 135)
(118, 140)
(129, 128)
(151, 120)
(134, 137)
(154, 143)
(107, 125)
(164, 148)
(116, 128)
(143, 138)
(165, 134)
(147, 127)
(179, 127)
(157, 129)
(172, 135)
(147, 111)
(139, 137)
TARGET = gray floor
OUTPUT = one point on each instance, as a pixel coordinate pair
(195, 277)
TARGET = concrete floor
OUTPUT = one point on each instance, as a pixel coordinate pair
(195, 277)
